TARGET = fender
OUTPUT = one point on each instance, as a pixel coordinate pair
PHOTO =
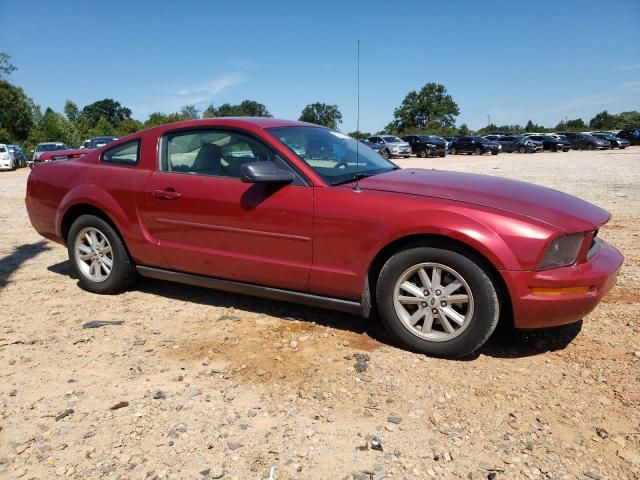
(95, 196)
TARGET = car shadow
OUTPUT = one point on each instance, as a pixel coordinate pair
(511, 343)
(11, 262)
(504, 343)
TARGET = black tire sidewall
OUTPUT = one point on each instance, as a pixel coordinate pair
(486, 303)
(123, 271)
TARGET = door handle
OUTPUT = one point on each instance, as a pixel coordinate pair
(167, 194)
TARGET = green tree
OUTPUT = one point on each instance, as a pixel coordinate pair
(103, 127)
(159, 118)
(128, 126)
(189, 112)
(322, 114)
(463, 130)
(359, 135)
(108, 108)
(432, 108)
(247, 108)
(16, 116)
(54, 127)
(629, 119)
(574, 125)
(6, 67)
(71, 111)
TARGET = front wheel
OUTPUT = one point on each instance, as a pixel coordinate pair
(423, 153)
(98, 256)
(385, 154)
(454, 151)
(436, 301)
(478, 151)
(522, 149)
(589, 147)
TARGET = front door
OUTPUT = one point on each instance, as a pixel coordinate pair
(208, 222)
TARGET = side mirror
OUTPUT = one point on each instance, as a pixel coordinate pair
(264, 172)
(32, 150)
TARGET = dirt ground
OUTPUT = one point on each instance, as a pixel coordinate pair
(202, 384)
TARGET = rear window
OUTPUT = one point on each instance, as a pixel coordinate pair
(125, 154)
(2, 149)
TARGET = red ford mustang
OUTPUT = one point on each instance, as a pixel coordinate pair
(296, 212)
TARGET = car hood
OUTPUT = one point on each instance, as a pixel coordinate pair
(543, 204)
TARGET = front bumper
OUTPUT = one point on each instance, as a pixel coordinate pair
(6, 164)
(400, 151)
(538, 311)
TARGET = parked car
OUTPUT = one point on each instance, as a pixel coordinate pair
(614, 142)
(631, 134)
(519, 143)
(47, 147)
(19, 157)
(553, 143)
(450, 141)
(6, 159)
(475, 145)
(427, 145)
(376, 147)
(582, 141)
(394, 146)
(443, 255)
(97, 142)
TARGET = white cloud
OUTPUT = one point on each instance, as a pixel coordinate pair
(202, 93)
(629, 67)
(577, 103)
(633, 86)
(173, 98)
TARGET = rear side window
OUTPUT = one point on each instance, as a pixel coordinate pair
(125, 154)
(2, 149)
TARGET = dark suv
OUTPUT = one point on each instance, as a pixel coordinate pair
(614, 142)
(519, 143)
(582, 141)
(552, 143)
(426, 145)
(476, 145)
(631, 134)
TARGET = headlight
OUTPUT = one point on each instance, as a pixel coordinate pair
(563, 251)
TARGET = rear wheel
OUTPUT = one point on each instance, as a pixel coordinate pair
(437, 301)
(98, 256)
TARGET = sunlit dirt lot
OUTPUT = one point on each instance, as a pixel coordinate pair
(202, 384)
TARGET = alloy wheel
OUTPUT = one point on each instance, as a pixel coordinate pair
(433, 301)
(94, 255)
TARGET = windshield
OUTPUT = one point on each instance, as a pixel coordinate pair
(392, 139)
(49, 147)
(430, 138)
(481, 140)
(331, 154)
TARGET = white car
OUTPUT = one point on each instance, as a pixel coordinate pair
(6, 159)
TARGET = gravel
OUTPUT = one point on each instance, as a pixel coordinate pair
(238, 387)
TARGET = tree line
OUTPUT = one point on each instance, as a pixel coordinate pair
(429, 110)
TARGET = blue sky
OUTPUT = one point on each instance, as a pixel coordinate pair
(514, 61)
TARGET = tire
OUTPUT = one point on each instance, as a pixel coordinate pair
(522, 149)
(483, 309)
(554, 148)
(477, 151)
(423, 153)
(385, 154)
(589, 147)
(444, 154)
(495, 153)
(454, 151)
(122, 272)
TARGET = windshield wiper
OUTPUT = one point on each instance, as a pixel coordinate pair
(357, 176)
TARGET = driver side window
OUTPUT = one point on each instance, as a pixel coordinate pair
(214, 152)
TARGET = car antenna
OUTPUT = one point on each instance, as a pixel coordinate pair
(357, 187)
